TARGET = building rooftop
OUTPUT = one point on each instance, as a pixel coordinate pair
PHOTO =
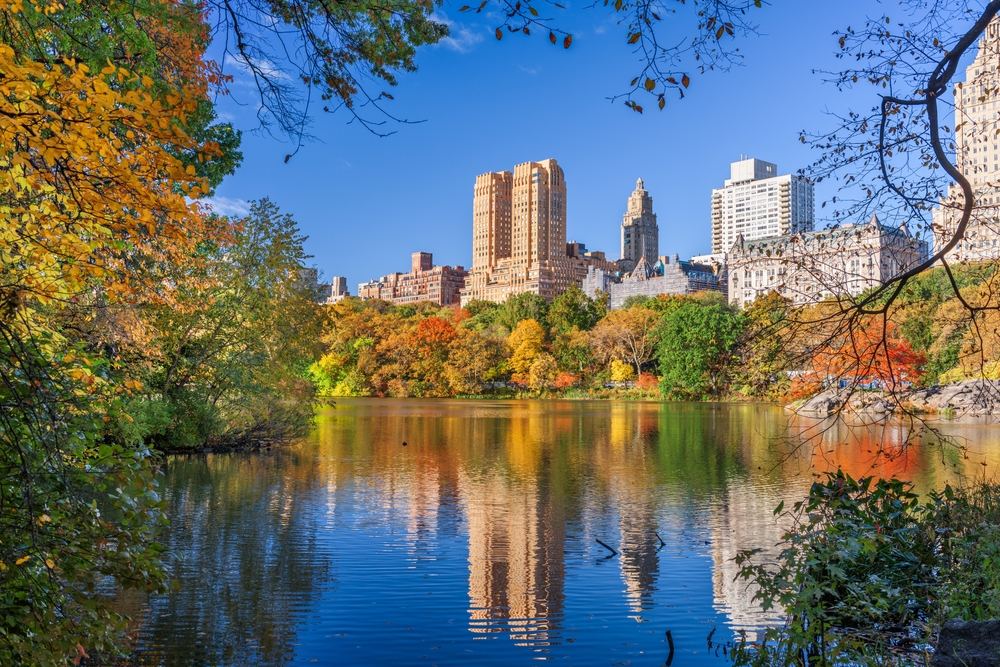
(776, 244)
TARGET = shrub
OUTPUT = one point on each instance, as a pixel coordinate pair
(620, 371)
(868, 564)
(647, 381)
(565, 380)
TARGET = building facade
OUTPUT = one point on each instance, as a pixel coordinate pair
(977, 156)
(519, 235)
(640, 235)
(668, 275)
(440, 285)
(309, 279)
(757, 203)
(812, 266)
(336, 291)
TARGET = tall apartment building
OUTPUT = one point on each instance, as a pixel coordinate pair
(977, 156)
(757, 203)
(334, 292)
(640, 235)
(519, 235)
(424, 282)
(812, 266)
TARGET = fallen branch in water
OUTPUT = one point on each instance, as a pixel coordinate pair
(611, 549)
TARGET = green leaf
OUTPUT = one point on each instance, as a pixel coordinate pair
(781, 506)
(534, 12)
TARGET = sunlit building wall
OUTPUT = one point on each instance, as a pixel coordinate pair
(756, 203)
(977, 156)
(519, 235)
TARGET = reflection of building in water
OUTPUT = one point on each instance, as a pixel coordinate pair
(631, 484)
(422, 506)
(639, 562)
(743, 519)
(516, 567)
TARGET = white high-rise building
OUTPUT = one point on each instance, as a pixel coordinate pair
(757, 203)
(977, 156)
(640, 235)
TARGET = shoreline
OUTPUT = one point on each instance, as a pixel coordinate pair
(970, 398)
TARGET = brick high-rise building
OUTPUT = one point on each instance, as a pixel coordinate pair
(977, 156)
(640, 235)
(519, 235)
(491, 220)
(757, 203)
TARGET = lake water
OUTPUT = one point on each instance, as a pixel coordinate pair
(476, 543)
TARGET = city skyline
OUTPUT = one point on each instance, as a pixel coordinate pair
(421, 175)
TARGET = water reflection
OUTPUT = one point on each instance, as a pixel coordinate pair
(478, 540)
(239, 579)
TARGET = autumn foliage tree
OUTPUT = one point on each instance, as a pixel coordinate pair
(870, 354)
(626, 336)
(96, 188)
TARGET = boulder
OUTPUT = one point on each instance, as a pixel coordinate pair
(824, 403)
(968, 644)
(870, 403)
(972, 398)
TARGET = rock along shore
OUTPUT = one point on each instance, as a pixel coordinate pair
(972, 398)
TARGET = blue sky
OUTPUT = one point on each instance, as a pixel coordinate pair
(366, 202)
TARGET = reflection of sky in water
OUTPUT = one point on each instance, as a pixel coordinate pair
(476, 543)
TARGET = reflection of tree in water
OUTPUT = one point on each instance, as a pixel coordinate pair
(524, 479)
(725, 462)
(246, 563)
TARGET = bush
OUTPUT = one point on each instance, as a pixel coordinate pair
(647, 381)
(620, 371)
(869, 567)
(565, 380)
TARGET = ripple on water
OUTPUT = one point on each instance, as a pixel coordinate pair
(477, 543)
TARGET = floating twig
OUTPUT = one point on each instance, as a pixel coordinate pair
(611, 549)
(670, 642)
(662, 543)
